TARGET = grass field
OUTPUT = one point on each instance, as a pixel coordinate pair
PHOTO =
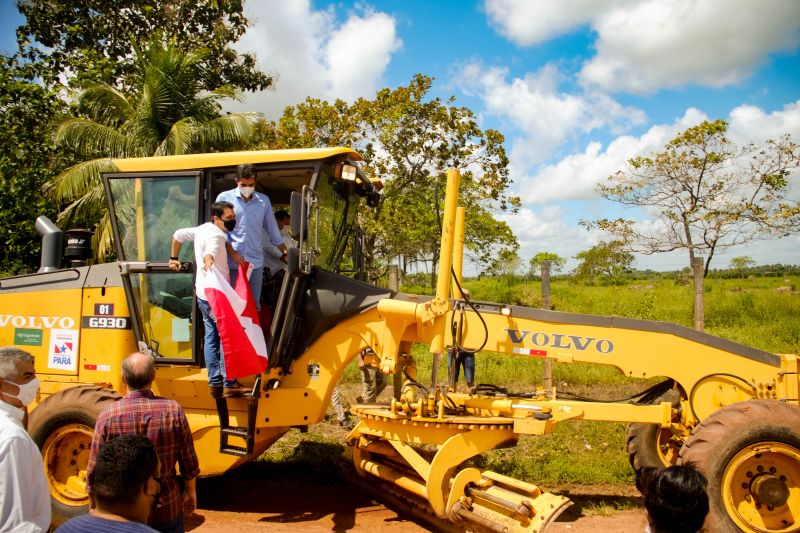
(760, 312)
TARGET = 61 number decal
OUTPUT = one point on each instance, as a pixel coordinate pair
(106, 322)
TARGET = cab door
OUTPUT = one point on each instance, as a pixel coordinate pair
(145, 209)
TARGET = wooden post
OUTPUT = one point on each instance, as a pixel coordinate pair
(394, 285)
(699, 295)
(547, 369)
(394, 278)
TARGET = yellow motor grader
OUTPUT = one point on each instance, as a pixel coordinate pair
(730, 409)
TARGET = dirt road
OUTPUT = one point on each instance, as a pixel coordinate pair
(296, 496)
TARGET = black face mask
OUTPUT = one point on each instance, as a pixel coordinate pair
(229, 224)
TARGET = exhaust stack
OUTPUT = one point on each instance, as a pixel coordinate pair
(52, 241)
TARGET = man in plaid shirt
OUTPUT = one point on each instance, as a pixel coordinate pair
(140, 412)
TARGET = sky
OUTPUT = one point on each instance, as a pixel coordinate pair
(577, 87)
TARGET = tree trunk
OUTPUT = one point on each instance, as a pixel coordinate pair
(699, 295)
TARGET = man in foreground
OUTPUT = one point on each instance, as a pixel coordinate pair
(125, 488)
(140, 412)
(24, 494)
(676, 500)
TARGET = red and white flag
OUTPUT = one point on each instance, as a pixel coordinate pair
(237, 321)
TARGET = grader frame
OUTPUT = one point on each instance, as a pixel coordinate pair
(722, 392)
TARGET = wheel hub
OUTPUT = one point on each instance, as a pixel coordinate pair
(66, 455)
(761, 488)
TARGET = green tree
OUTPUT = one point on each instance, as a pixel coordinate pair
(94, 40)
(409, 140)
(507, 263)
(706, 193)
(27, 159)
(742, 263)
(556, 262)
(167, 113)
(607, 262)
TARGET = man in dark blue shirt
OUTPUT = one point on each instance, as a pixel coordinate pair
(125, 488)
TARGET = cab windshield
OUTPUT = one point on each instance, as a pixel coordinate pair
(337, 202)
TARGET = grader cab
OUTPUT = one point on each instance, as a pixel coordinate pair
(731, 409)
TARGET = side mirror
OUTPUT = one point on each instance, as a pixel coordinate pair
(374, 199)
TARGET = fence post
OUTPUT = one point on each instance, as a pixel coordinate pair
(394, 278)
(394, 285)
(699, 295)
(547, 369)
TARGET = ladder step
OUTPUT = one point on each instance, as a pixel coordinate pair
(235, 431)
(234, 450)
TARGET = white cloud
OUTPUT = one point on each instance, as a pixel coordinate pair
(575, 176)
(313, 54)
(527, 22)
(358, 53)
(545, 230)
(751, 124)
(644, 45)
(546, 117)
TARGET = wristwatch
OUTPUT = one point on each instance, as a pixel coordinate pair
(174, 258)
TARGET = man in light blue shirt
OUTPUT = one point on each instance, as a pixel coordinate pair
(253, 216)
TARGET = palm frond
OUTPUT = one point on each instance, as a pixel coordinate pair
(180, 139)
(78, 180)
(104, 237)
(227, 131)
(85, 209)
(90, 139)
(105, 104)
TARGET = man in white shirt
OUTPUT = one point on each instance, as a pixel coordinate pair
(24, 494)
(210, 250)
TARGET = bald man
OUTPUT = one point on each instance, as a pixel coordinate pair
(140, 412)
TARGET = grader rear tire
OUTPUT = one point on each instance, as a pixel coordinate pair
(750, 454)
(62, 427)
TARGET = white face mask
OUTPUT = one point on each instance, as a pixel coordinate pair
(246, 191)
(286, 231)
(27, 391)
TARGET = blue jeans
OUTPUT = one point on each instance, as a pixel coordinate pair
(467, 360)
(256, 281)
(212, 350)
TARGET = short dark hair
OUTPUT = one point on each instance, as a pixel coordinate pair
(245, 170)
(217, 208)
(676, 499)
(122, 468)
(137, 377)
(280, 214)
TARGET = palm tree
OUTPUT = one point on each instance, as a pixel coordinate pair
(167, 112)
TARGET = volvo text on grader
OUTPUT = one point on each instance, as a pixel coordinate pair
(731, 409)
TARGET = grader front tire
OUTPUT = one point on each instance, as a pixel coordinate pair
(750, 454)
(62, 426)
(649, 446)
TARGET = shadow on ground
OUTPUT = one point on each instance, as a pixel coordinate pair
(305, 487)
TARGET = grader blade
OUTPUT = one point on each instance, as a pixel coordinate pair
(425, 456)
